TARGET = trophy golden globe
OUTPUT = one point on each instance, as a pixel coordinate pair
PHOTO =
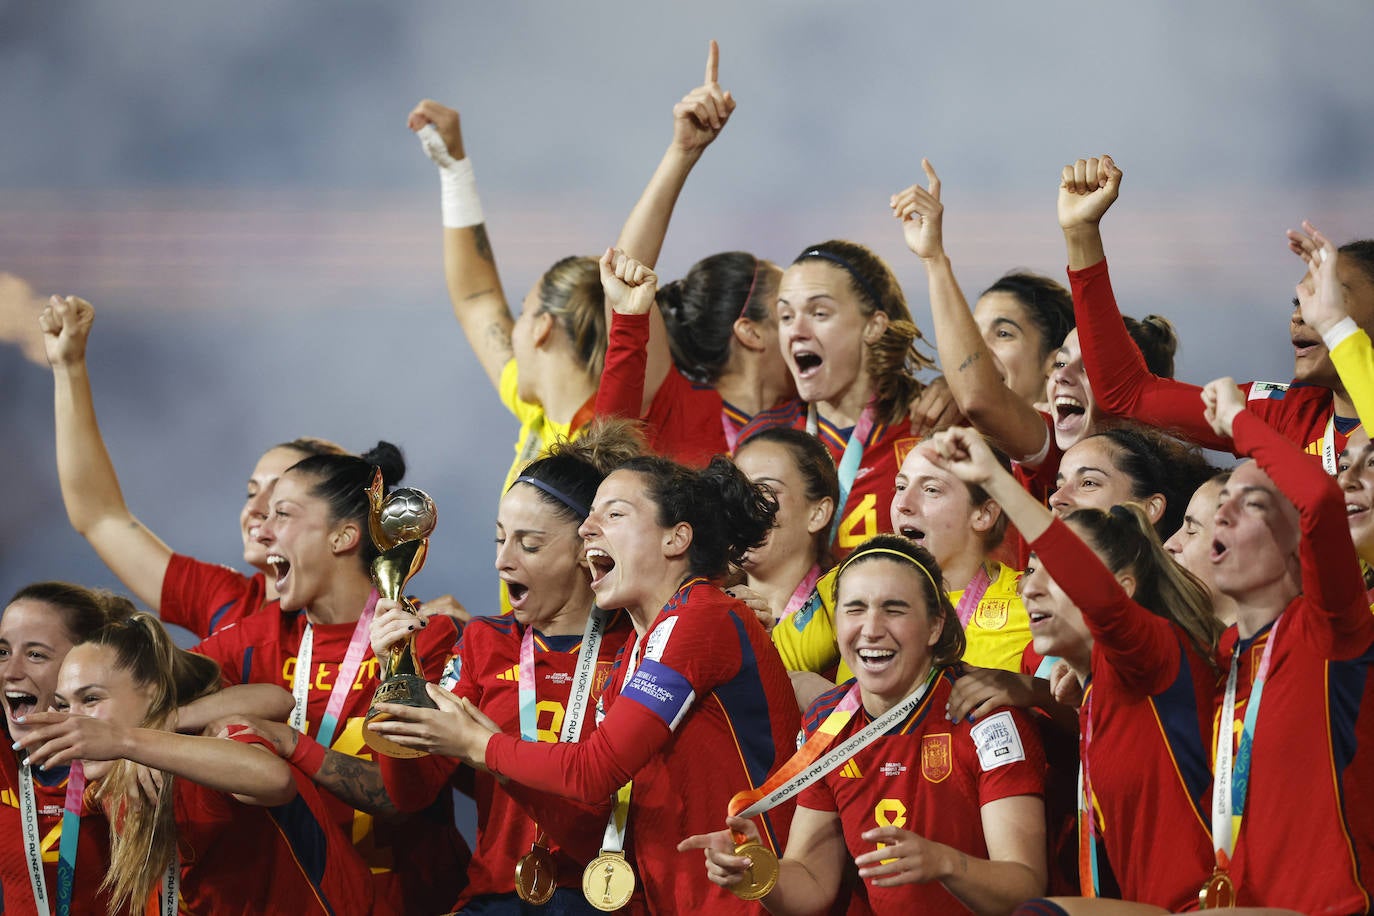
(400, 526)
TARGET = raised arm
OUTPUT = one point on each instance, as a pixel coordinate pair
(469, 265)
(629, 287)
(1140, 645)
(90, 489)
(1321, 297)
(1121, 382)
(1335, 617)
(697, 120)
(969, 366)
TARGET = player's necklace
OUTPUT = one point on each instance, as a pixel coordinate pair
(850, 460)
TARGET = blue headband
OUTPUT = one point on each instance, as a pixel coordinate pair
(849, 269)
(580, 510)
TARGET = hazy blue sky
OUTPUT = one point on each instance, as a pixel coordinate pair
(234, 187)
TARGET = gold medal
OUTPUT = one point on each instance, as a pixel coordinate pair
(761, 877)
(608, 882)
(1218, 893)
(536, 875)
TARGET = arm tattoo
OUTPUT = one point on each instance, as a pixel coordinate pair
(970, 360)
(479, 238)
(356, 781)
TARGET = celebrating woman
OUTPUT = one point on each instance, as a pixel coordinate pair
(1138, 632)
(319, 547)
(699, 707)
(225, 810)
(561, 649)
(938, 817)
(848, 338)
(198, 596)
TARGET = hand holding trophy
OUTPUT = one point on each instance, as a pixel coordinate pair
(400, 525)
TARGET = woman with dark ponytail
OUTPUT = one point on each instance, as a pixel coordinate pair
(1138, 632)
(699, 707)
(230, 826)
(320, 549)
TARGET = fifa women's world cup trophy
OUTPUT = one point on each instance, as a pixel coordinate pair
(400, 525)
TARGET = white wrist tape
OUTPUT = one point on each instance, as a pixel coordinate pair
(459, 201)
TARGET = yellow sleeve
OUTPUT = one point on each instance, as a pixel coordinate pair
(806, 640)
(1353, 358)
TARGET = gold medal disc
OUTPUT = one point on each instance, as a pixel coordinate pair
(608, 882)
(536, 876)
(1218, 893)
(761, 877)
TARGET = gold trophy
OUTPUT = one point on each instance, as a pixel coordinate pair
(400, 525)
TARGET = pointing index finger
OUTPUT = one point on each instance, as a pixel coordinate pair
(712, 63)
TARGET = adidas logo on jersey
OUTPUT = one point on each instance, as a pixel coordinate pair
(510, 674)
(892, 768)
(851, 770)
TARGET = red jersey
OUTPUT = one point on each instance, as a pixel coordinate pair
(708, 712)
(289, 860)
(93, 843)
(868, 511)
(485, 670)
(1124, 386)
(1299, 836)
(926, 775)
(202, 597)
(1150, 699)
(426, 852)
(684, 419)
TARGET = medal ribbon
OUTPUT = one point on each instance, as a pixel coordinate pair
(581, 692)
(801, 593)
(731, 431)
(1329, 445)
(171, 888)
(1232, 775)
(1088, 882)
(973, 595)
(33, 852)
(808, 765)
(614, 838)
(343, 681)
(850, 460)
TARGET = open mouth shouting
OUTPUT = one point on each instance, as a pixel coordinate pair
(281, 570)
(600, 563)
(807, 362)
(517, 591)
(19, 704)
(912, 532)
(1070, 414)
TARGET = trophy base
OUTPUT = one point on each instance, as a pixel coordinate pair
(404, 690)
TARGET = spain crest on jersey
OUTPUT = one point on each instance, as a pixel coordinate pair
(992, 613)
(936, 757)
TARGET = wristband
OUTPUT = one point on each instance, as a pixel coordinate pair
(459, 202)
(308, 757)
(1338, 332)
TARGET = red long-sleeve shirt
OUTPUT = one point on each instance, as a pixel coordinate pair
(1123, 385)
(1151, 705)
(708, 712)
(1313, 733)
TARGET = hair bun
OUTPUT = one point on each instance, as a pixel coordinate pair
(388, 457)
